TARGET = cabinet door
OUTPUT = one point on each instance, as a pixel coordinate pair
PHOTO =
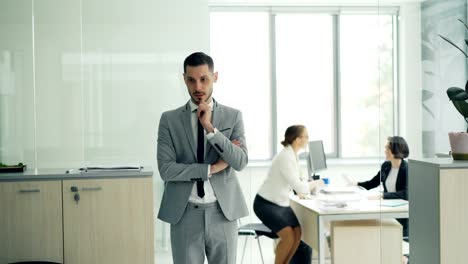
(111, 223)
(453, 215)
(31, 221)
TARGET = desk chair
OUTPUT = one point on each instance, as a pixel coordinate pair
(256, 230)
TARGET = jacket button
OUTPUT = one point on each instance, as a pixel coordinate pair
(196, 206)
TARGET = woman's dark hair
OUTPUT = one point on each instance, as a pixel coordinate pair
(398, 147)
(292, 133)
(198, 59)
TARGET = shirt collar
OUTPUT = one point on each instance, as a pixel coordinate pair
(194, 107)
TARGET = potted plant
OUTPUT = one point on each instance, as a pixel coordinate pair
(4, 168)
(458, 96)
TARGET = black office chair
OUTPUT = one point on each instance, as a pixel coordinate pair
(256, 230)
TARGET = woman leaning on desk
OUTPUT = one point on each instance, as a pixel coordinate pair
(393, 174)
(271, 204)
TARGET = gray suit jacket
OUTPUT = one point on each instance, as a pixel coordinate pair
(178, 167)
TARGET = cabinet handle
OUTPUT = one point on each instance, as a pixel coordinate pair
(29, 191)
(91, 188)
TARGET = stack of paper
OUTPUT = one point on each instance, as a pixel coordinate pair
(116, 168)
(341, 190)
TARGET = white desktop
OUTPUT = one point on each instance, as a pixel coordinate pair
(337, 203)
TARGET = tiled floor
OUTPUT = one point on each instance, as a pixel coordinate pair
(252, 253)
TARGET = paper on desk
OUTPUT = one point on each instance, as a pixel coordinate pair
(393, 203)
(105, 169)
(113, 168)
(341, 190)
(328, 199)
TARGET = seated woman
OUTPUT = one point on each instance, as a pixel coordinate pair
(393, 174)
(271, 204)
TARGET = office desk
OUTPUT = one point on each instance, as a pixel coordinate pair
(313, 217)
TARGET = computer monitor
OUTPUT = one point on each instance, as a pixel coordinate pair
(316, 160)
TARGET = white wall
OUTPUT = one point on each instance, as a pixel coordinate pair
(443, 67)
(91, 87)
(409, 97)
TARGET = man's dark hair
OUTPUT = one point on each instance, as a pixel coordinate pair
(197, 59)
(398, 147)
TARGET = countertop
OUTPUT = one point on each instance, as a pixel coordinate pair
(446, 163)
(61, 174)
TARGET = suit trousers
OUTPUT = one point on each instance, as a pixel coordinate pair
(203, 231)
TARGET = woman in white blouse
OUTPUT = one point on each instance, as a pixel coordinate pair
(271, 204)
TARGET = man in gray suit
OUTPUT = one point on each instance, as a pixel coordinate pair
(199, 146)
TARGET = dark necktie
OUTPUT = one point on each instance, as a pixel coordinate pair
(200, 156)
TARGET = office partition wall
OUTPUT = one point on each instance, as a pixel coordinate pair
(84, 83)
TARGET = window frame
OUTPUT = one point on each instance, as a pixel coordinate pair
(335, 12)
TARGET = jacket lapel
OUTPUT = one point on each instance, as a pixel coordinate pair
(384, 174)
(186, 120)
(402, 171)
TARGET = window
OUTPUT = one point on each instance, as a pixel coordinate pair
(240, 50)
(304, 75)
(330, 71)
(366, 90)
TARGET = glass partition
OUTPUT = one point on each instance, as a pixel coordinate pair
(85, 82)
(333, 69)
(17, 94)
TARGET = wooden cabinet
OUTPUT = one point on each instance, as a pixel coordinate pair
(112, 221)
(438, 211)
(31, 221)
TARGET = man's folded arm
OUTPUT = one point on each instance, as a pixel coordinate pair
(173, 171)
(169, 169)
(235, 156)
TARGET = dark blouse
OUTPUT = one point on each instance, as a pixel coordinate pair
(401, 185)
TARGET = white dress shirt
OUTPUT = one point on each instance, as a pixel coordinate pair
(283, 175)
(209, 193)
(390, 183)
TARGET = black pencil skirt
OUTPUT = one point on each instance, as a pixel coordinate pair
(274, 216)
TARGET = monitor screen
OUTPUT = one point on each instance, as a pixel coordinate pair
(316, 161)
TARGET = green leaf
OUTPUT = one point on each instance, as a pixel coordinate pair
(457, 94)
(462, 107)
(426, 95)
(429, 73)
(453, 44)
(466, 26)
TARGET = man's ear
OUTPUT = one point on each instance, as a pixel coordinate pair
(215, 76)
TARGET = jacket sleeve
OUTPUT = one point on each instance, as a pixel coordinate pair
(235, 156)
(402, 194)
(374, 182)
(169, 169)
(291, 175)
